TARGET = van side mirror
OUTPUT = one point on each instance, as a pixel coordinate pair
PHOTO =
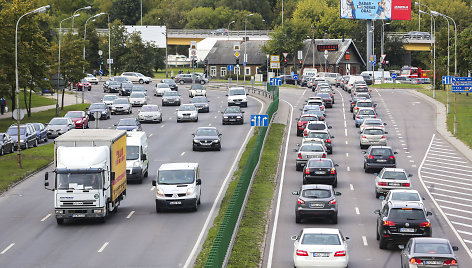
(199, 182)
(377, 211)
(154, 183)
(112, 176)
(143, 157)
(455, 248)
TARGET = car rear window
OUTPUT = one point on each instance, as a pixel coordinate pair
(364, 104)
(432, 248)
(312, 148)
(366, 112)
(316, 193)
(320, 164)
(316, 126)
(373, 131)
(406, 214)
(394, 175)
(308, 118)
(405, 196)
(317, 135)
(321, 239)
(381, 151)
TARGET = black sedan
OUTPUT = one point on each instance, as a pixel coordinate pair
(206, 138)
(320, 170)
(427, 251)
(201, 103)
(173, 86)
(326, 97)
(101, 108)
(6, 144)
(378, 157)
(126, 88)
(233, 115)
(316, 201)
(111, 86)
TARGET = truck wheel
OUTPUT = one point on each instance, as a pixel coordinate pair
(195, 207)
(158, 209)
(60, 221)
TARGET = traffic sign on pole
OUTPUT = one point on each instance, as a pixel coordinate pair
(300, 54)
(394, 76)
(447, 80)
(236, 54)
(285, 54)
(230, 67)
(259, 120)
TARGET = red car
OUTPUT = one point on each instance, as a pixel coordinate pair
(303, 120)
(80, 118)
(83, 84)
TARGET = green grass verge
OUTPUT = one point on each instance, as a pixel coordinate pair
(36, 101)
(32, 160)
(247, 247)
(207, 245)
(42, 117)
(397, 85)
(463, 113)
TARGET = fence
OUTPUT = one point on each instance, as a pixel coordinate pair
(221, 246)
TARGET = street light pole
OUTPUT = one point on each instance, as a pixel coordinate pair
(85, 34)
(228, 27)
(41, 10)
(245, 46)
(59, 65)
(433, 52)
(77, 10)
(382, 48)
(109, 47)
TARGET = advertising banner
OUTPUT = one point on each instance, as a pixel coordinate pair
(376, 9)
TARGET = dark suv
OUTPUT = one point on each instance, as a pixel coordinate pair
(316, 201)
(320, 170)
(378, 157)
(399, 221)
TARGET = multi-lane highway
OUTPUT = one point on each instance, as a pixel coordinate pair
(411, 126)
(136, 236)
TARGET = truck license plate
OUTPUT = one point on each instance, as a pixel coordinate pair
(78, 215)
(175, 202)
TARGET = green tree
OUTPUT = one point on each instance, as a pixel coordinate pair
(127, 11)
(287, 38)
(140, 55)
(119, 38)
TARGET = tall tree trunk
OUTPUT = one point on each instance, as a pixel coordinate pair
(28, 107)
(63, 93)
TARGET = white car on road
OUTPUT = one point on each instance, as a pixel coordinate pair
(150, 113)
(161, 88)
(137, 77)
(187, 112)
(91, 79)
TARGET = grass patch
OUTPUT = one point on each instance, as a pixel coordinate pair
(36, 101)
(32, 160)
(463, 113)
(247, 247)
(207, 245)
(398, 85)
(42, 117)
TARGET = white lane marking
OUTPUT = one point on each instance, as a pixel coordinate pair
(396, 128)
(413, 166)
(456, 209)
(344, 116)
(409, 156)
(152, 188)
(150, 135)
(457, 216)
(345, 124)
(439, 152)
(346, 142)
(407, 152)
(45, 217)
(464, 232)
(345, 132)
(446, 159)
(412, 161)
(444, 149)
(357, 211)
(467, 241)
(364, 240)
(347, 154)
(405, 148)
(436, 203)
(400, 137)
(182, 154)
(170, 118)
(450, 191)
(449, 196)
(216, 117)
(445, 185)
(7, 248)
(444, 165)
(462, 224)
(449, 172)
(348, 169)
(222, 187)
(209, 125)
(351, 186)
(403, 144)
(454, 203)
(103, 247)
(162, 126)
(130, 214)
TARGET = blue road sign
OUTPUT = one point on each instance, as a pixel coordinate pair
(461, 89)
(276, 81)
(462, 80)
(394, 76)
(259, 120)
(230, 67)
(100, 72)
(244, 63)
(295, 76)
(447, 80)
(374, 63)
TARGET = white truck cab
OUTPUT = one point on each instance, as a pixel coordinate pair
(137, 159)
(237, 96)
(178, 186)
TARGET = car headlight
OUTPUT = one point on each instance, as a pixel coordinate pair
(195, 141)
(216, 140)
(104, 112)
(136, 164)
(238, 116)
(225, 117)
(160, 192)
(190, 190)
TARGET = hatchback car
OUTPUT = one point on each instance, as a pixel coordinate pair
(41, 131)
(316, 201)
(189, 78)
(28, 136)
(320, 135)
(315, 125)
(196, 90)
(122, 106)
(150, 113)
(353, 102)
(206, 138)
(404, 195)
(139, 88)
(303, 120)
(390, 179)
(100, 109)
(171, 84)
(372, 123)
(83, 85)
(7, 145)
(91, 79)
(428, 252)
(201, 102)
(320, 247)
(108, 99)
(307, 151)
(58, 126)
(137, 77)
(187, 112)
(128, 124)
(171, 98)
(233, 115)
(378, 157)
(80, 118)
(399, 221)
(372, 136)
(111, 86)
(161, 88)
(327, 99)
(363, 103)
(364, 113)
(320, 170)
(137, 99)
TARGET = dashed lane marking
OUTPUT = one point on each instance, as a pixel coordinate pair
(351, 186)
(364, 240)
(45, 217)
(357, 211)
(130, 214)
(7, 248)
(103, 247)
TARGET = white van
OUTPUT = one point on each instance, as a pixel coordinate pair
(237, 96)
(178, 186)
(352, 79)
(137, 159)
(378, 75)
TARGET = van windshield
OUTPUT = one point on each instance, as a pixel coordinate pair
(175, 176)
(234, 92)
(132, 152)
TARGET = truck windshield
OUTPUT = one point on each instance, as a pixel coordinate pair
(175, 176)
(132, 152)
(79, 181)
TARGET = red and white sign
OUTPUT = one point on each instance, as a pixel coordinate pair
(401, 9)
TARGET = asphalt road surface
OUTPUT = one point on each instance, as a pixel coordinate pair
(136, 236)
(411, 126)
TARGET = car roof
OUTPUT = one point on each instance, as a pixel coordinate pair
(321, 230)
(379, 146)
(395, 169)
(430, 240)
(404, 191)
(317, 186)
(206, 128)
(405, 204)
(176, 166)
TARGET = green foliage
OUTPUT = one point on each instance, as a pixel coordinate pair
(127, 11)
(140, 56)
(287, 38)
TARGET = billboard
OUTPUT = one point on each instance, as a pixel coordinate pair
(153, 34)
(375, 9)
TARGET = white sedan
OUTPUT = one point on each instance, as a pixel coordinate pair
(320, 247)
(137, 77)
(91, 79)
(150, 113)
(161, 88)
(391, 179)
(187, 112)
(137, 99)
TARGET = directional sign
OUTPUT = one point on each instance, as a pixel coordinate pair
(230, 67)
(394, 76)
(109, 61)
(461, 89)
(462, 80)
(236, 54)
(300, 54)
(275, 65)
(259, 120)
(295, 76)
(276, 81)
(100, 72)
(100, 52)
(447, 80)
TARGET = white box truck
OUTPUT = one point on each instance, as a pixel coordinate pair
(89, 174)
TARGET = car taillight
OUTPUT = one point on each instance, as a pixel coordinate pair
(406, 184)
(328, 141)
(391, 157)
(382, 183)
(375, 116)
(333, 171)
(332, 202)
(415, 261)
(370, 157)
(383, 137)
(300, 201)
(323, 156)
(340, 253)
(364, 137)
(322, 118)
(358, 117)
(305, 133)
(450, 262)
(425, 224)
(301, 252)
(388, 223)
(300, 156)
(307, 171)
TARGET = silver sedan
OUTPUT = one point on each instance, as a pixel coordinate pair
(372, 136)
(307, 151)
(390, 179)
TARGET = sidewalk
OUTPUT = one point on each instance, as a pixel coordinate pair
(69, 99)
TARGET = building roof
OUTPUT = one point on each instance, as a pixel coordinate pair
(222, 53)
(334, 57)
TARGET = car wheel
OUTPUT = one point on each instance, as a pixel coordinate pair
(298, 218)
(334, 219)
(194, 148)
(35, 144)
(299, 133)
(141, 81)
(1, 151)
(158, 209)
(181, 82)
(298, 167)
(383, 243)
(195, 207)
(377, 194)
(13, 148)
(196, 120)
(60, 221)
(219, 148)
(202, 82)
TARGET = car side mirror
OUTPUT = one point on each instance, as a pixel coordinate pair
(382, 197)
(337, 193)
(336, 165)
(332, 137)
(423, 198)
(377, 211)
(455, 248)
(297, 118)
(295, 193)
(226, 94)
(115, 124)
(375, 105)
(401, 247)
(364, 152)
(386, 132)
(330, 127)
(410, 175)
(86, 108)
(199, 182)
(385, 124)
(154, 183)
(242, 111)
(429, 213)
(293, 237)
(395, 153)
(347, 238)
(143, 157)
(295, 150)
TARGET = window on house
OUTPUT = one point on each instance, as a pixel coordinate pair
(237, 70)
(222, 71)
(247, 71)
(213, 71)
